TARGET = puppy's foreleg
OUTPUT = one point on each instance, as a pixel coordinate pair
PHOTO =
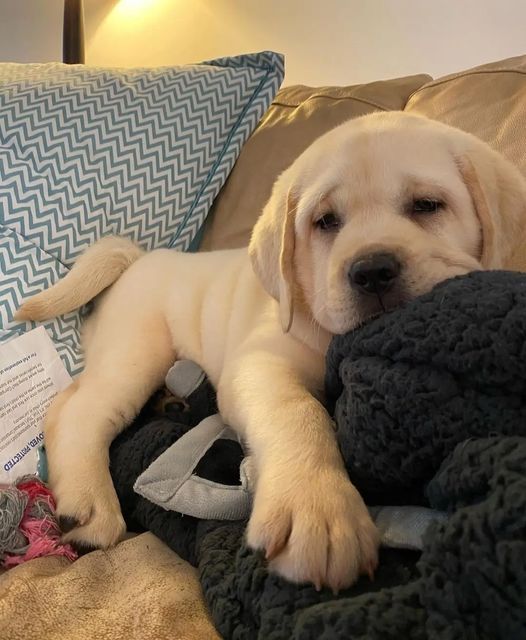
(307, 516)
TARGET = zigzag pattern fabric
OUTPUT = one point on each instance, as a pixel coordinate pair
(87, 152)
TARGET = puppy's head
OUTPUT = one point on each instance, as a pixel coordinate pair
(378, 211)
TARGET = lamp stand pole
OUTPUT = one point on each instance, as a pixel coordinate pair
(73, 32)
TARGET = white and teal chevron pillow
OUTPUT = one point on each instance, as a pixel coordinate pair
(86, 152)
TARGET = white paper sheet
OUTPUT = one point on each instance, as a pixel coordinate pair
(31, 375)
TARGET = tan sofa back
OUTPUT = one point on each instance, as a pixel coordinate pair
(488, 101)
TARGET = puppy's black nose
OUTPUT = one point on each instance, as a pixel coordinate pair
(374, 273)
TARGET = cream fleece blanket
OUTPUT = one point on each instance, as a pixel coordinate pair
(139, 590)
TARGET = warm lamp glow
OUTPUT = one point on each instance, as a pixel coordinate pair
(158, 32)
(130, 15)
(127, 7)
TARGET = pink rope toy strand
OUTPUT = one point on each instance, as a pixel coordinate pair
(28, 526)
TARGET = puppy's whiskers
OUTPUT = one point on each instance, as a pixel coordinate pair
(380, 301)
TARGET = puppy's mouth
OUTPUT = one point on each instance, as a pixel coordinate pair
(376, 304)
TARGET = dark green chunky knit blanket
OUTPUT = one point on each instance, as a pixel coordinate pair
(430, 406)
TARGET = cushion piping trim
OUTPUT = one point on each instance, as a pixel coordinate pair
(226, 147)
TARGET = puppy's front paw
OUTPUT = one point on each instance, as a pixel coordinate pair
(88, 510)
(314, 528)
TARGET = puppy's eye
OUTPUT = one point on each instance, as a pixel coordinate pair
(328, 222)
(426, 205)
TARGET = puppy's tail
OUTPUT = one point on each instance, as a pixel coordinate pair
(97, 268)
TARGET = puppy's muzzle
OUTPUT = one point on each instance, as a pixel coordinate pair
(374, 274)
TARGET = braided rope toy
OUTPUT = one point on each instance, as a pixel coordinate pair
(28, 525)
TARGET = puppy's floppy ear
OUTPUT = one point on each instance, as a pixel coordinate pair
(498, 192)
(272, 247)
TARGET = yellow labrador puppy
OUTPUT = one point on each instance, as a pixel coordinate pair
(375, 212)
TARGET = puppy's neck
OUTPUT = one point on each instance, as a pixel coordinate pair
(305, 329)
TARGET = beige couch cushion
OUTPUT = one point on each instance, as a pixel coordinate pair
(488, 101)
(138, 590)
(297, 117)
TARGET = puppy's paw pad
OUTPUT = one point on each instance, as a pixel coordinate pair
(104, 529)
(89, 513)
(82, 548)
(67, 523)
